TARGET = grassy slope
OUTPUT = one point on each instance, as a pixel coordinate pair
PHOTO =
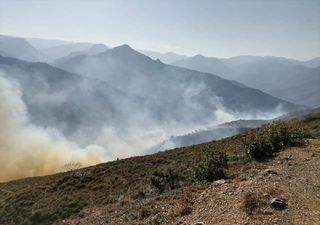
(119, 192)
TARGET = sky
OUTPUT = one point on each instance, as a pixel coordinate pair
(219, 28)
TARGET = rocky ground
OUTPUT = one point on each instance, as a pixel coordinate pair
(293, 176)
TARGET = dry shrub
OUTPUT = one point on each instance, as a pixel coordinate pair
(144, 213)
(254, 203)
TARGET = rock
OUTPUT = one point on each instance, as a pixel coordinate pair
(278, 203)
(218, 182)
(270, 171)
(288, 157)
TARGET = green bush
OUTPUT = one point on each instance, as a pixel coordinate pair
(258, 146)
(212, 167)
(274, 138)
(164, 180)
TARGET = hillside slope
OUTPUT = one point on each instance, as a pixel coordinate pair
(120, 192)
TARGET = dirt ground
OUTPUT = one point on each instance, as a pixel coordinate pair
(293, 175)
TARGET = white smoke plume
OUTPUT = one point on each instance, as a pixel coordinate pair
(27, 150)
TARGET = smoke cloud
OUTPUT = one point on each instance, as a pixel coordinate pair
(27, 150)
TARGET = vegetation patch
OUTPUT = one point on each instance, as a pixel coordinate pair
(165, 180)
(212, 167)
(254, 203)
(272, 138)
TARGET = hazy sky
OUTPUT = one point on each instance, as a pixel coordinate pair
(223, 28)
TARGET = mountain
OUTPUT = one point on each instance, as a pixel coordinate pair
(68, 102)
(40, 43)
(288, 79)
(313, 62)
(55, 49)
(63, 50)
(207, 65)
(216, 133)
(19, 48)
(191, 93)
(168, 57)
(294, 83)
(244, 59)
(92, 50)
(226, 130)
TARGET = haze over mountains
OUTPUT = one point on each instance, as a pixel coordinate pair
(289, 79)
(168, 57)
(19, 48)
(128, 103)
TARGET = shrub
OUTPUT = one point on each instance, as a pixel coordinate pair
(144, 213)
(164, 180)
(273, 138)
(212, 167)
(258, 146)
(254, 203)
(140, 195)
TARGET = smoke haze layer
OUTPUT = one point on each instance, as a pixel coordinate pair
(27, 150)
(133, 105)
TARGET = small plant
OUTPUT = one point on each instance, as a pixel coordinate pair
(163, 180)
(212, 167)
(140, 195)
(144, 213)
(254, 203)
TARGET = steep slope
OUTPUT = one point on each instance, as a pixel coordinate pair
(193, 94)
(168, 57)
(207, 65)
(120, 192)
(19, 48)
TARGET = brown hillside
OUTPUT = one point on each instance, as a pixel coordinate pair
(120, 192)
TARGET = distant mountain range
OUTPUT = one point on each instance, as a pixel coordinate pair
(20, 48)
(289, 79)
(168, 57)
(42, 50)
(90, 92)
(126, 91)
(133, 72)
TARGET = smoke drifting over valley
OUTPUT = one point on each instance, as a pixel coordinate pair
(27, 150)
(93, 107)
